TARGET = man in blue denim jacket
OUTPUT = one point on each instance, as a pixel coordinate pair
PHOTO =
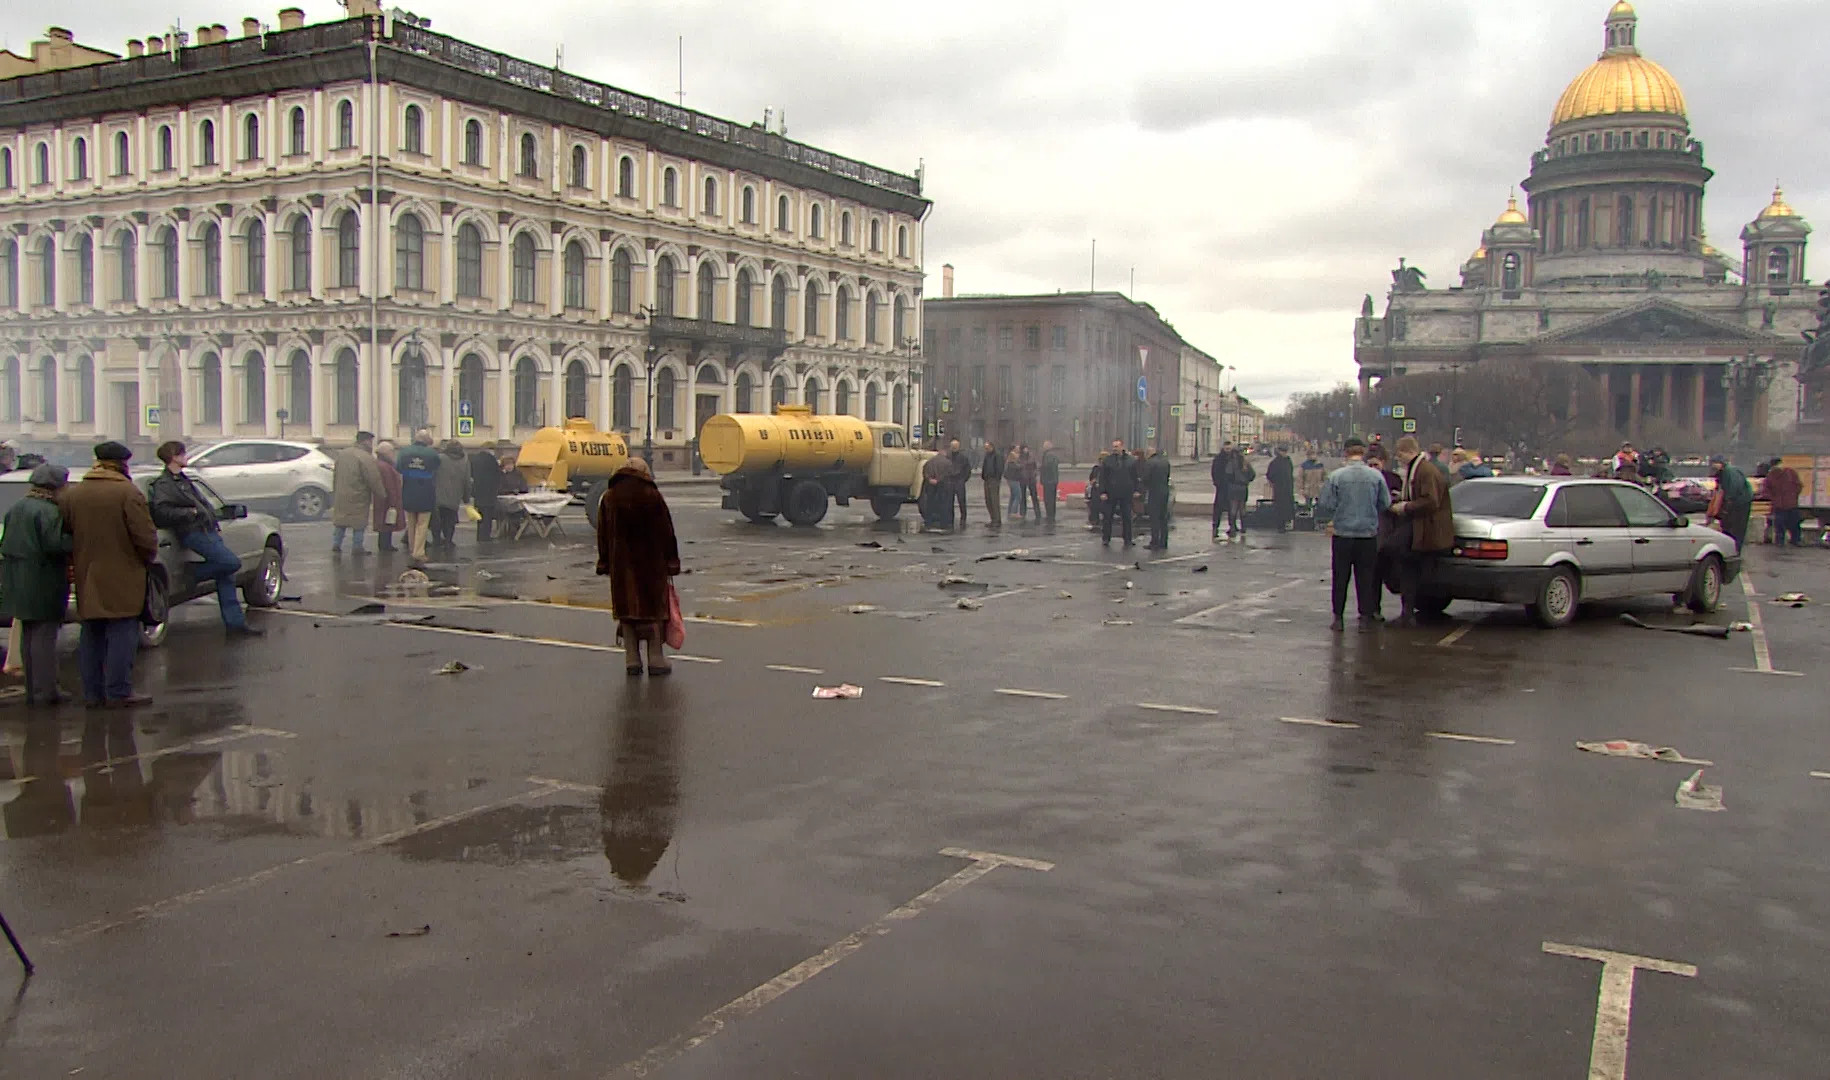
(1353, 497)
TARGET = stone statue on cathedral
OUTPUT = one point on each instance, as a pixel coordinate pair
(1407, 278)
(1366, 307)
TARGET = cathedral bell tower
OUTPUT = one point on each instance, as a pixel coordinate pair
(1511, 247)
(1773, 246)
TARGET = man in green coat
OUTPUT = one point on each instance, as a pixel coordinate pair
(35, 579)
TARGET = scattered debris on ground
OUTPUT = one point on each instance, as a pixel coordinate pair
(967, 603)
(1694, 794)
(484, 575)
(1741, 627)
(417, 931)
(1696, 630)
(292, 599)
(1064, 595)
(1796, 599)
(1119, 622)
(1130, 585)
(451, 667)
(1202, 569)
(1629, 749)
(861, 609)
(843, 690)
(870, 544)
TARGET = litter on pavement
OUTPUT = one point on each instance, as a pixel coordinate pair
(1741, 627)
(843, 690)
(967, 603)
(1630, 749)
(1119, 622)
(451, 667)
(1696, 630)
(1694, 794)
(862, 609)
(1796, 599)
(417, 931)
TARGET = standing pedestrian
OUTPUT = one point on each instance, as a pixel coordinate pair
(1050, 476)
(1783, 488)
(937, 479)
(1117, 485)
(35, 579)
(1013, 484)
(637, 550)
(1032, 474)
(453, 493)
(1733, 500)
(1221, 469)
(177, 506)
(991, 476)
(1282, 475)
(485, 484)
(1424, 503)
(418, 465)
(1092, 497)
(1310, 476)
(1353, 499)
(112, 543)
(9, 456)
(1561, 466)
(390, 517)
(957, 481)
(355, 485)
(1153, 475)
(1239, 490)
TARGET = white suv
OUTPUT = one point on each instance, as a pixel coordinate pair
(291, 479)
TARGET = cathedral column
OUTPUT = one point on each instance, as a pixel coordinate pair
(1730, 414)
(1633, 404)
(1607, 399)
(1669, 373)
(1699, 374)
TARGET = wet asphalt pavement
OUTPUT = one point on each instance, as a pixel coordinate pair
(1275, 852)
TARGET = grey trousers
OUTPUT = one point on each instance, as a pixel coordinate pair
(38, 642)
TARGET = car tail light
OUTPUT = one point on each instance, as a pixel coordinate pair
(1481, 549)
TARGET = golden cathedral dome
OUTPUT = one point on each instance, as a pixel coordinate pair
(1621, 80)
(1512, 215)
(1480, 255)
(1778, 207)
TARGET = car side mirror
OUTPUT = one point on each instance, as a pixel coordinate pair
(234, 511)
(1680, 522)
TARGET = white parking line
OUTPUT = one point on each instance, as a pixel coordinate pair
(1317, 723)
(1043, 694)
(1194, 710)
(714, 620)
(901, 680)
(1006, 592)
(1254, 598)
(796, 670)
(1614, 1003)
(1455, 635)
(1458, 737)
(1763, 653)
(1821, 775)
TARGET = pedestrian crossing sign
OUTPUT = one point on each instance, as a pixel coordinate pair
(1175, 410)
(152, 416)
(466, 427)
(1410, 426)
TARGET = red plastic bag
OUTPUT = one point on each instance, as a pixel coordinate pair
(676, 626)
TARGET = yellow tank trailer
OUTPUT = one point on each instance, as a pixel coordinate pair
(793, 463)
(576, 458)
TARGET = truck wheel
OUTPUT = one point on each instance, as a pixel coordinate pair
(593, 496)
(886, 507)
(806, 503)
(750, 504)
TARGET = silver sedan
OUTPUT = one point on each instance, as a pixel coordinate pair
(1554, 542)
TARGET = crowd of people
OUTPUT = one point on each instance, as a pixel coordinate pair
(418, 491)
(1016, 482)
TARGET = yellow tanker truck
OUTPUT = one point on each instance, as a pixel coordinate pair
(793, 463)
(577, 458)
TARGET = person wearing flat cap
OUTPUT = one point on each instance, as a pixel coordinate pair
(113, 542)
(35, 579)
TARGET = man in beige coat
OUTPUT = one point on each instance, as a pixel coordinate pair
(355, 484)
(114, 540)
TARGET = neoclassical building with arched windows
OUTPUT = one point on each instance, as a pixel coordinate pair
(447, 233)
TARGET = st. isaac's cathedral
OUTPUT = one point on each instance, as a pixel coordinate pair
(1607, 265)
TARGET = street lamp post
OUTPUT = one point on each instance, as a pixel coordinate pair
(1744, 377)
(651, 359)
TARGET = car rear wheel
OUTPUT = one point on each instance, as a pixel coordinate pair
(806, 503)
(309, 504)
(263, 589)
(1705, 593)
(1557, 599)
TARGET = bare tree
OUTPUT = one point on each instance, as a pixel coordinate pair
(1527, 407)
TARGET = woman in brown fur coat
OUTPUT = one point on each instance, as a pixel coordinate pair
(636, 549)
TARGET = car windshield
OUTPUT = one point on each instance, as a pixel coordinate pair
(1496, 500)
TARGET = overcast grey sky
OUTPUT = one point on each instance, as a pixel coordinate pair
(1261, 165)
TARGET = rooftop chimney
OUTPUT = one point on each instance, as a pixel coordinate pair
(219, 32)
(361, 8)
(292, 18)
(58, 33)
(946, 281)
(155, 44)
(136, 48)
(250, 27)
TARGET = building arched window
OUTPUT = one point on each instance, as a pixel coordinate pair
(527, 393)
(1779, 266)
(898, 404)
(872, 305)
(841, 319)
(708, 292)
(347, 397)
(166, 240)
(810, 315)
(410, 253)
(469, 261)
(711, 196)
(778, 393)
(123, 159)
(6, 168)
(581, 169)
(1510, 272)
(902, 241)
(670, 186)
(871, 394)
(210, 242)
(301, 254)
(79, 159)
(471, 386)
(749, 205)
(578, 398)
(778, 302)
(664, 285)
(411, 381)
(622, 393)
(209, 378)
(666, 389)
(413, 130)
(295, 132)
(845, 229)
(746, 286)
(473, 142)
(250, 137)
(9, 273)
(1624, 221)
(810, 394)
(622, 273)
(254, 258)
(85, 390)
(625, 177)
(842, 395)
(11, 405)
(346, 125)
(349, 250)
(575, 275)
(524, 267)
(47, 272)
(744, 393)
(165, 148)
(254, 389)
(899, 322)
(298, 387)
(782, 221)
(530, 156)
(814, 226)
(47, 390)
(876, 235)
(85, 269)
(41, 174)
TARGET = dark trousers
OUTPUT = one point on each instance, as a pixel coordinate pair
(959, 500)
(444, 525)
(486, 524)
(1115, 507)
(1285, 505)
(1412, 565)
(1159, 521)
(1356, 557)
(105, 656)
(991, 486)
(219, 565)
(1734, 523)
(1035, 498)
(1048, 500)
(38, 652)
(1789, 525)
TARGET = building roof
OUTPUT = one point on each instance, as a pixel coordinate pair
(1620, 80)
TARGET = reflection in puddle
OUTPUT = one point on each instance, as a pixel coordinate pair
(641, 795)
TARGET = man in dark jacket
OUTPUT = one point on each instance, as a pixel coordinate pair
(179, 507)
(1051, 478)
(418, 465)
(1783, 488)
(35, 581)
(1153, 474)
(1733, 500)
(962, 475)
(485, 482)
(991, 476)
(1423, 506)
(1117, 484)
(453, 491)
(1282, 475)
(1221, 469)
(112, 540)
